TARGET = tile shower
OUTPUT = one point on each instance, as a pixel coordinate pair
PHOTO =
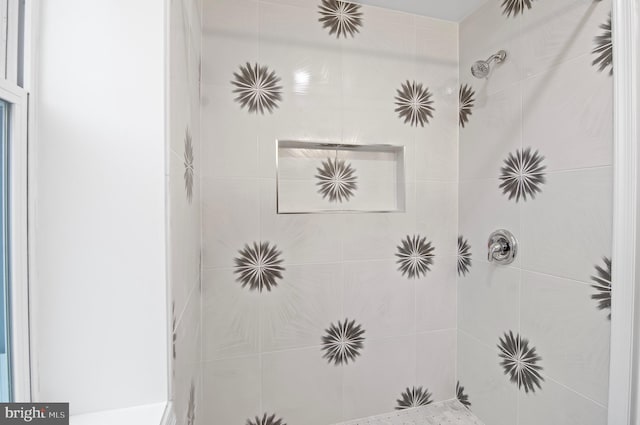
(536, 158)
(324, 318)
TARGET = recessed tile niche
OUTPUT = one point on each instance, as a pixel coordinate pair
(318, 177)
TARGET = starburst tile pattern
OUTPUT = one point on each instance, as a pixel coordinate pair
(343, 342)
(188, 165)
(414, 104)
(522, 175)
(414, 397)
(467, 100)
(191, 406)
(464, 256)
(266, 420)
(602, 284)
(415, 256)
(259, 266)
(337, 180)
(603, 49)
(520, 362)
(461, 396)
(515, 7)
(341, 18)
(257, 88)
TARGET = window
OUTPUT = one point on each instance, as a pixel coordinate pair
(14, 335)
(14, 323)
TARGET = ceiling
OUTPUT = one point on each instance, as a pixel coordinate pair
(450, 10)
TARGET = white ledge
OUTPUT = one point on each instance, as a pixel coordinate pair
(149, 414)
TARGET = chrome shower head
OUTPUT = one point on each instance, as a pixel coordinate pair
(481, 69)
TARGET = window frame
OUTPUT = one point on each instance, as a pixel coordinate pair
(18, 254)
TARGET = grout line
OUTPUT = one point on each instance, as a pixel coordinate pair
(546, 376)
(218, 179)
(414, 203)
(318, 347)
(329, 263)
(458, 204)
(554, 67)
(554, 172)
(576, 281)
(520, 208)
(573, 391)
(528, 270)
(532, 271)
(186, 304)
(478, 340)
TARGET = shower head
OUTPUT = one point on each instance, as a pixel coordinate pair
(481, 69)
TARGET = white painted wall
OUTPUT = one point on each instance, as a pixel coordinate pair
(98, 272)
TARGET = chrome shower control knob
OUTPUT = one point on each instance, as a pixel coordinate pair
(503, 247)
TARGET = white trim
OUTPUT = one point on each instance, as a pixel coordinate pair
(625, 209)
(167, 208)
(169, 417)
(13, 29)
(31, 57)
(18, 248)
(148, 414)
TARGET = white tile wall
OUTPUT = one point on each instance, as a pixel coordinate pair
(302, 307)
(558, 405)
(231, 218)
(376, 236)
(233, 388)
(572, 338)
(298, 385)
(436, 363)
(232, 316)
(567, 230)
(482, 34)
(568, 115)
(268, 346)
(494, 129)
(303, 238)
(488, 301)
(483, 209)
(560, 31)
(547, 96)
(184, 226)
(380, 297)
(374, 382)
(435, 200)
(235, 154)
(435, 297)
(493, 398)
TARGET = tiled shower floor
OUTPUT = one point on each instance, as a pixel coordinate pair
(444, 413)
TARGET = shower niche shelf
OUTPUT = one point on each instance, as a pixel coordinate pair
(319, 177)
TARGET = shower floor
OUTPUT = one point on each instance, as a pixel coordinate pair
(443, 413)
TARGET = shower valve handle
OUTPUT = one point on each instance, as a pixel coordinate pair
(503, 247)
(496, 249)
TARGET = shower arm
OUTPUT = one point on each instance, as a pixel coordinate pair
(497, 57)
